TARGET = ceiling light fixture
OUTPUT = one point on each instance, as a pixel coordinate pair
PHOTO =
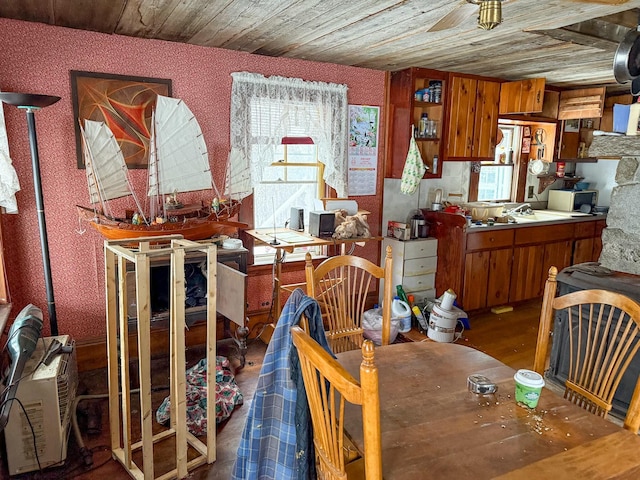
(489, 14)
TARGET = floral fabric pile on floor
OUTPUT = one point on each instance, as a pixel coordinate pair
(228, 396)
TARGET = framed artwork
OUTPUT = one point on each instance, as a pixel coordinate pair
(526, 145)
(124, 103)
(572, 125)
(526, 132)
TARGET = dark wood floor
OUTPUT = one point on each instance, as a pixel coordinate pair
(509, 337)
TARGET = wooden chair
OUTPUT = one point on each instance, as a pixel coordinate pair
(596, 364)
(328, 386)
(340, 285)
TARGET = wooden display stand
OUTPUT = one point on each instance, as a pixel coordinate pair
(118, 255)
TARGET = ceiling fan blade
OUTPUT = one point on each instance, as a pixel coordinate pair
(455, 17)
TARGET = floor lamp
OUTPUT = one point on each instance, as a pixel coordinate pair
(31, 102)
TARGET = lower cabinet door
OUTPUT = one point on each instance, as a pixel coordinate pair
(583, 251)
(526, 272)
(487, 278)
(476, 278)
(499, 277)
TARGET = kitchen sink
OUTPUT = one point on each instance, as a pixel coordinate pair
(542, 216)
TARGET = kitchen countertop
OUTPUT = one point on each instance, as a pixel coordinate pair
(569, 217)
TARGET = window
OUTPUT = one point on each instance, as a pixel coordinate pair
(284, 174)
(496, 177)
(293, 180)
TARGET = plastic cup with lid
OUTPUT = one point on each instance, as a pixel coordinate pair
(528, 387)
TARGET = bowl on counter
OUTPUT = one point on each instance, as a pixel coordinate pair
(581, 186)
(483, 210)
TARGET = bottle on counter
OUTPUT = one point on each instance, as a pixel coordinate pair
(434, 164)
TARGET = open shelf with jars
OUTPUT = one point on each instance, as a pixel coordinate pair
(417, 99)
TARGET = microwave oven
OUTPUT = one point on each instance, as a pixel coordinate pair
(571, 200)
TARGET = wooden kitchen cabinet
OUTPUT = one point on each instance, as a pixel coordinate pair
(487, 277)
(588, 244)
(473, 118)
(487, 268)
(526, 273)
(522, 96)
(536, 249)
(405, 111)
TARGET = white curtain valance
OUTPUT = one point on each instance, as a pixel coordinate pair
(264, 110)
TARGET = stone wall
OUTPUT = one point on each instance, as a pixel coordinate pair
(621, 238)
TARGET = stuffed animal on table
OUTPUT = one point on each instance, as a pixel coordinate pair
(350, 226)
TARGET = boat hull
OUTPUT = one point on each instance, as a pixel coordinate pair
(190, 228)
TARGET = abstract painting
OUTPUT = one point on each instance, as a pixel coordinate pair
(124, 103)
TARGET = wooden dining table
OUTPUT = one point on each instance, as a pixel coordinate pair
(433, 428)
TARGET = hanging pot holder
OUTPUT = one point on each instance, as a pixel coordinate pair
(414, 168)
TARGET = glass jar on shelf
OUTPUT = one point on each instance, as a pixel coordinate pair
(423, 126)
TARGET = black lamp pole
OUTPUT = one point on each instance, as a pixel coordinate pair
(31, 103)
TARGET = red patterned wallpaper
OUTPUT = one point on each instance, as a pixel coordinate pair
(37, 58)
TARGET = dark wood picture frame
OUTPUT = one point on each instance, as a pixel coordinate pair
(124, 103)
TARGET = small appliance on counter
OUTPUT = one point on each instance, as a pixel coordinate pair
(436, 205)
(417, 224)
(571, 200)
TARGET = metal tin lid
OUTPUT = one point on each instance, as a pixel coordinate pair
(480, 384)
(529, 378)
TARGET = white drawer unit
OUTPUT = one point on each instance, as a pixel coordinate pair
(414, 266)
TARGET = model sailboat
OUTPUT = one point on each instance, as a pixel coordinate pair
(178, 163)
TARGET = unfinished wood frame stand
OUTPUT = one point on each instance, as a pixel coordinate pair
(117, 256)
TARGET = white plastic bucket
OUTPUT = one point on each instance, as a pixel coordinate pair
(442, 325)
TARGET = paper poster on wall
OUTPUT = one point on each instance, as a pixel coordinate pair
(363, 149)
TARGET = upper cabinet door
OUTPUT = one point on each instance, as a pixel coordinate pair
(486, 120)
(523, 96)
(462, 107)
(414, 93)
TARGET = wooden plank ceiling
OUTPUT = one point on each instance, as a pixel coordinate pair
(570, 42)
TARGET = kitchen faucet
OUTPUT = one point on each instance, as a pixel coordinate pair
(519, 209)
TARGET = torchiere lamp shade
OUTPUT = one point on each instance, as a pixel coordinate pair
(28, 99)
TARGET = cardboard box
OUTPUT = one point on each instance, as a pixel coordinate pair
(620, 117)
(399, 230)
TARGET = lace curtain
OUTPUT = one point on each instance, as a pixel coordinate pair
(9, 183)
(264, 110)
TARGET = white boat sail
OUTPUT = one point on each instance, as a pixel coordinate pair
(176, 136)
(178, 163)
(106, 170)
